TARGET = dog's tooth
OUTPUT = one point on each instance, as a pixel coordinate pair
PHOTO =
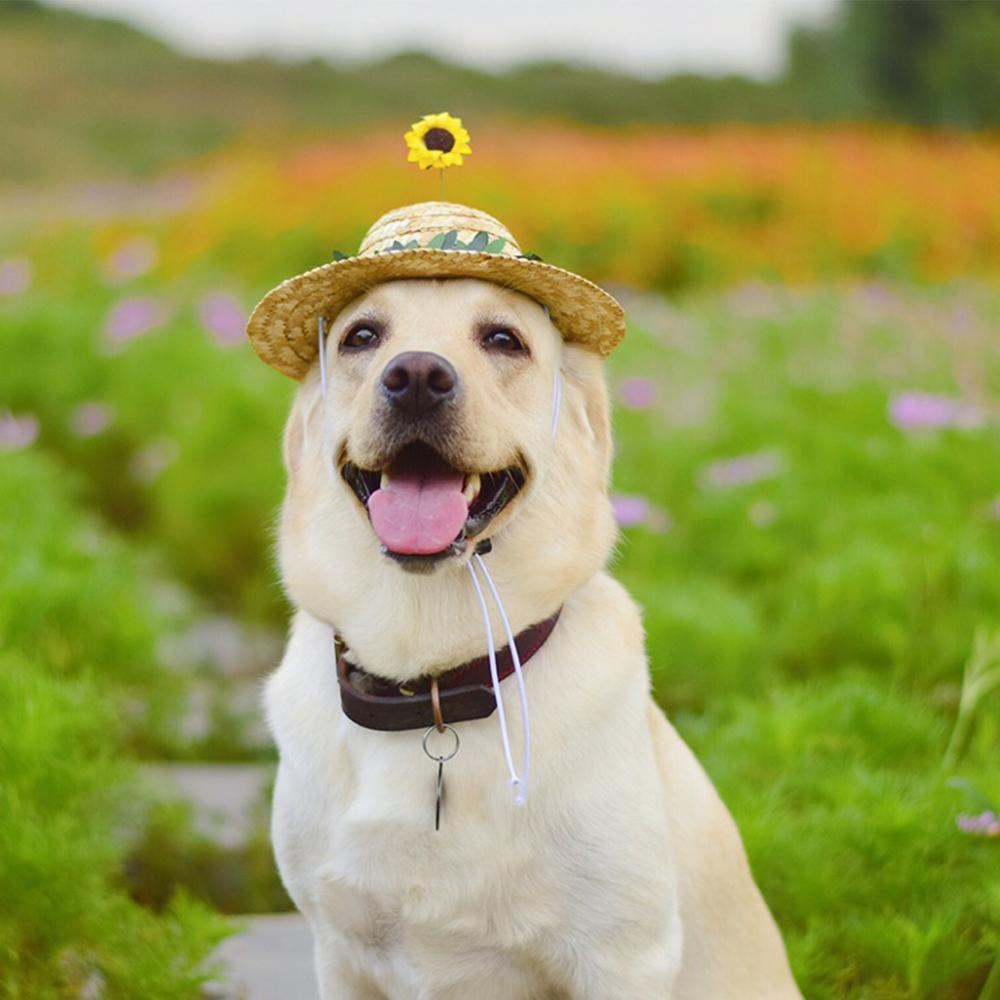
(384, 481)
(472, 486)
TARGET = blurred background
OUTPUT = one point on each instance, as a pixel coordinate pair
(797, 202)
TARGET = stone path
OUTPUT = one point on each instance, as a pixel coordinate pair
(270, 960)
(228, 800)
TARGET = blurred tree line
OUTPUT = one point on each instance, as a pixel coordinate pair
(929, 62)
(81, 95)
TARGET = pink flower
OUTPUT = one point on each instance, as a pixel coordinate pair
(986, 824)
(741, 470)
(878, 293)
(149, 462)
(631, 510)
(17, 432)
(133, 317)
(222, 314)
(911, 411)
(15, 275)
(89, 419)
(762, 513)
(755, 300)
(638, 393)
(131, 259)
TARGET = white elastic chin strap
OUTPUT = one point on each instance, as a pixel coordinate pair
(519, 782)
(322, 357)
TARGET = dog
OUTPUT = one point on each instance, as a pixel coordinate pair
(459, 402)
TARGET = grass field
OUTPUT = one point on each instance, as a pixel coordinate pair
(808, 480)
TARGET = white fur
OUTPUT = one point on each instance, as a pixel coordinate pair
(623, 876)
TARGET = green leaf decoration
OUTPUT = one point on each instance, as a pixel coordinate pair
(412, 245)
(529, 256)
(496, 246)
(450, 239)
(337, 255)
(479, 242)
(436, 242)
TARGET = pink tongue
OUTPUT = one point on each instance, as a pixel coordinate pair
(419, 513)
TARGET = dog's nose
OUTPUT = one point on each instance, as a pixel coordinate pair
(417, 381)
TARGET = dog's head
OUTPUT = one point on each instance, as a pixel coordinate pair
(435, 435)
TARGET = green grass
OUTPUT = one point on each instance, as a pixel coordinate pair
(212, 417)
(79, 692)
(808, 628)
(79, 602)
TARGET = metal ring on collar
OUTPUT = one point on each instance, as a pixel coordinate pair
(440, 758)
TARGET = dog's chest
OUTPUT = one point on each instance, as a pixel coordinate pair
(378, 857)
(364, 850)
(409, 902)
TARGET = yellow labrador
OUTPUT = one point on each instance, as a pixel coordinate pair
(622, 875)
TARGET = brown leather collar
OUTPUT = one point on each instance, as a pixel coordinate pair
(466, 692)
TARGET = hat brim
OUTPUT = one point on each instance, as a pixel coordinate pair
(283, 326)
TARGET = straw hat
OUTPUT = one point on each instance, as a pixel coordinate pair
(434, 239)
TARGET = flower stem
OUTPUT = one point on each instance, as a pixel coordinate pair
(981, 676)
(991, 988)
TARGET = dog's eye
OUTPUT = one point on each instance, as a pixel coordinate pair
(359, 338)
(502, 338)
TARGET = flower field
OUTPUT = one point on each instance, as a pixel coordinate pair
(670, 210)
(807, 479)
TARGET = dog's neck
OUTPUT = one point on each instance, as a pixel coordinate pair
(401, 625)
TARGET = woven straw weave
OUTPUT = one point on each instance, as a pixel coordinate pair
(283, 327)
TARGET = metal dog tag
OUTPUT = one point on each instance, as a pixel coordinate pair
(441, 759)
(438, 796)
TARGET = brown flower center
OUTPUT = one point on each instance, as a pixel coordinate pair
(439, 138)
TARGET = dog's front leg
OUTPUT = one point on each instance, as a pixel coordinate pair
(630, 970)
(650, 975)
(646, 977)
(338, 977)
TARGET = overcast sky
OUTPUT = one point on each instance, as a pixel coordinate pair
(646, 37)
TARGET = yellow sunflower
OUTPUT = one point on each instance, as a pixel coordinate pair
(437, 141)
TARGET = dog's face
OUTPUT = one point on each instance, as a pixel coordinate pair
(436, 434)
(446, 391)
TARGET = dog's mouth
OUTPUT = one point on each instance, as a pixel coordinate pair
(422, 508)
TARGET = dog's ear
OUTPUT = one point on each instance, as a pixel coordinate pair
(583, 370)
(303, 426)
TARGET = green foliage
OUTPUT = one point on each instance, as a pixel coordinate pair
(66, 925)
(837, 781)
(932, 62)
(172, 854)
(809, 614)
(79, 684)
(981, 678)
(191, 460)
(873, 547)
(71, 597)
